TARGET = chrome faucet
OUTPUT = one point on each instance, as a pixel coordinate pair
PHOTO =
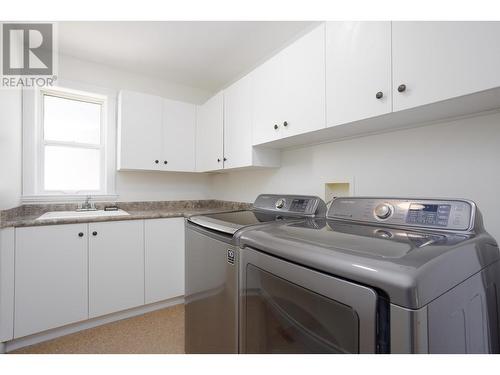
(87, 205)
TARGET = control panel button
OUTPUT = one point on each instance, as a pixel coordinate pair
(280, 203)
(383, 211)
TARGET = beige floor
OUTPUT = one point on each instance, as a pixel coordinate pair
(160, 331)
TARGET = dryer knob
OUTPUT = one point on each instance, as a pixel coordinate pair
(280, 203)
(383, 211)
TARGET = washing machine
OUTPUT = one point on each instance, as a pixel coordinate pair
(379, 275)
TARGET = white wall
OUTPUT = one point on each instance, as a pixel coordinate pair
(454, 159)
(136, 186)
(129, 185)
(10, 147)
(90, 73)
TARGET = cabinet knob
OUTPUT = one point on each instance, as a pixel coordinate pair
(157, 161)
(402, 88)
(80, 234)
(94, 233)
(275, 126)
(165, 162)
(218, 160)
(285, 124)
(225, 159)
(379, 95)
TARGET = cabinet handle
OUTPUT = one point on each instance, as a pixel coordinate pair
(285, 124)
(379, 95)
(157, 161)
(225, 159)
(275, 126)
(94, 233)
(80, 234)
(165, 162)
(218, 160)
(402, 88)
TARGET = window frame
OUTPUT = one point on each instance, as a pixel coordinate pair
(33, 189)
(42, 142)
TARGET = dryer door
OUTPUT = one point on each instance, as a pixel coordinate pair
(286, 308)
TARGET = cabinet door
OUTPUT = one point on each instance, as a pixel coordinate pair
(116, 266)
(164, 258)
(267, 99)
(238, 124)
(442, 60)
(358, 71)
(139, 131)
(179, 128)
(304, 84)
(50, 277)
(210, 134)
(7, 281)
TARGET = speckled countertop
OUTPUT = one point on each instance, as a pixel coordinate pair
(26, 215)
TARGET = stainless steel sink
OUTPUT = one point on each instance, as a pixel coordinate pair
(80, 214)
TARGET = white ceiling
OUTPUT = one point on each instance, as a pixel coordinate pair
(201, 54)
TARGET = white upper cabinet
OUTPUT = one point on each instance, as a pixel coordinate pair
(304, 84)
(210, 134)
(238, 150)
(268, 101)
(358, 71)
(139, 131)
(289, 90)
(179, 132)
(238, 124)
(442, 60)
(155, 133)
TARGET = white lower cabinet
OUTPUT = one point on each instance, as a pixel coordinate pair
(50, 277)
(7, 255)
(164, 258)
(55, 275)
(116, 266)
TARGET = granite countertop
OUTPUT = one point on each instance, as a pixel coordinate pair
(26, 215)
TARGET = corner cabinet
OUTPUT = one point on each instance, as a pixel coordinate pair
(238, 150)
(289, 90)
(210, 134)
(155, 133)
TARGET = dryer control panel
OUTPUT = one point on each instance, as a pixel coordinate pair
(453, 214)
(300, 205)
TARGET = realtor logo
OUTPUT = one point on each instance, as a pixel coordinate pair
(27, 49)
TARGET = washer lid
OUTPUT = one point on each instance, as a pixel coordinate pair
(266, 208)
(412, 267)
(231, 222)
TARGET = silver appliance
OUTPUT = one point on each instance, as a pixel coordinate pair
(380, 275)
(212, 260)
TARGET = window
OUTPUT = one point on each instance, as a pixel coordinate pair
(72, 150)
(68, 147)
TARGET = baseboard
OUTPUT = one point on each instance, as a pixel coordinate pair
(86, 324)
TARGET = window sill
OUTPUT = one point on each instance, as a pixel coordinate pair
(65, 198)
